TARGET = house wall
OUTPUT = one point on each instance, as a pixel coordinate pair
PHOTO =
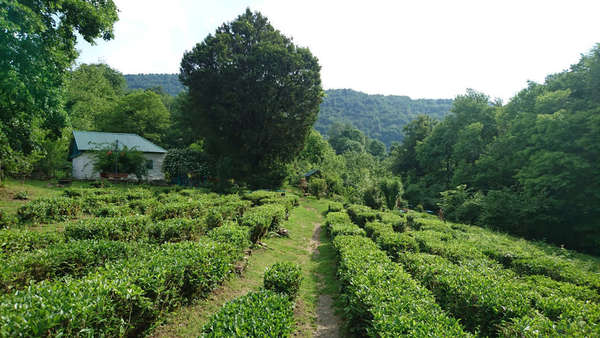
(83, 167)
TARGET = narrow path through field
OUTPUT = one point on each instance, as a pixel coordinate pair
(307, 246)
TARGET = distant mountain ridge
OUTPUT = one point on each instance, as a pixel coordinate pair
(379, 116)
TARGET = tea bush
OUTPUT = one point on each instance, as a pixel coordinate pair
(128, 228)
(283, 277)
(238, 236)
(345, 229)
(179, 210)
(49, 209)
(361, 214)
(173, 230)
(381, 300)
(257, 314)
(334, 207)
(73, 258)
(256, 196)
(96, 305)
(262, 219)
(16, 241)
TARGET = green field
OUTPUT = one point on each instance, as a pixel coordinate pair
(164, 261)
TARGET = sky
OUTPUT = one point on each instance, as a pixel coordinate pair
(422, 49)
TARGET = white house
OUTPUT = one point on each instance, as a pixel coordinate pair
(85, 142)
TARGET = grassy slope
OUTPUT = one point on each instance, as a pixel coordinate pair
(318, 270)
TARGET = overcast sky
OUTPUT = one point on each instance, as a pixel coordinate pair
(423, 49)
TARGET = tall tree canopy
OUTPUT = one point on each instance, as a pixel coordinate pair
(37, 47)
(255, 96)
(529, 167)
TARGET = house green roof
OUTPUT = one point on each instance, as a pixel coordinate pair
(94, 140)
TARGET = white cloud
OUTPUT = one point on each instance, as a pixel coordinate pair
(418, 48)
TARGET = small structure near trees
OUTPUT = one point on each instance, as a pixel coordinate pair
(115, 155)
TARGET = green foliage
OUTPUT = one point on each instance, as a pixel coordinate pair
(317, 187)
(168, 82)
(37, 44)
(91, 90)
(258, 136)
(238, 236)
(117, 229)
(262, 219)
(349, 229)
(238, 318)
(373, 197)
(379, 117)
(529, 165)
(49, 209)
(375, 290)
(361, 214)
(16, 241)
(334, 207)
(284, 278)
(187, 162)
(73, 258)
(139, 112)
(392, 190)
(124, 160)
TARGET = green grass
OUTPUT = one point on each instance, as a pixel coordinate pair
(318, 269)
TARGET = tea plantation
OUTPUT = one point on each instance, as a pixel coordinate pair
(125, 257)
(119, 261)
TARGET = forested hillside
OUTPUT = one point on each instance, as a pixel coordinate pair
(169, 82)
(380, 117)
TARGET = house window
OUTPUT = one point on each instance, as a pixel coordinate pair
(149, 164)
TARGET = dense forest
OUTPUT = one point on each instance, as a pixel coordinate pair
(168, 82)
(380, 117)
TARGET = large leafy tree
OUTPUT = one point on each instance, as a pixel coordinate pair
(90, 89)
(37, 47)
(254, 96)
(140, 112)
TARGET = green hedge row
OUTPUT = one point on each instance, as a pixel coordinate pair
(16, 241)
(73, 258)
(457, 243)
(262, 219)
(392, 242)
(334, 207)
(490, 299)
(361, 214)
(338, 223)
(284, 278)
(122, 298)
(237, 236)
(49, 209)
(261, 313)
(135, 228)
(381, 300)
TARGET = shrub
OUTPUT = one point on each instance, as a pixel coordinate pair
(22, 195)
(109, 159)
(392, 190)
(317, 187)
(49, 209)
(112, 211)
(128, 228)
(257, 314)
(6, 220)
(214, 218)
(345, 229)
(13, 241)
(179, 210)
(256, 196)
(173, 230)
(96, 305)
(373, 198)
(361, 214)
(397, 222)
(73, 258)
(381, 300)
(334, 207)
(283, 277)
(263, 218)
(237, 236)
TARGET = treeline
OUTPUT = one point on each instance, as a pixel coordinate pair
(380, 117)
(168, 82)
(529, 167)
